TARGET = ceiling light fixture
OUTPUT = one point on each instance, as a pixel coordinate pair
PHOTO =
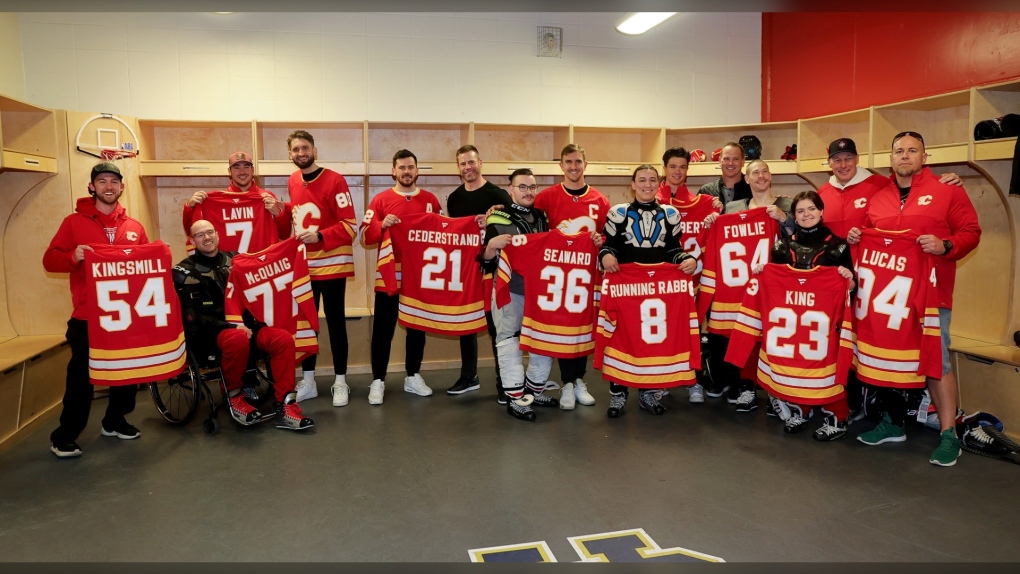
(640, 22)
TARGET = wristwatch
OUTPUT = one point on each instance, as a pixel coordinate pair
(948, 245)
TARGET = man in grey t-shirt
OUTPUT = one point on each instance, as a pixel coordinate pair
(731, 186)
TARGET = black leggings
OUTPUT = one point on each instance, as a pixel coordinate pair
(333, 293)
(384, 324)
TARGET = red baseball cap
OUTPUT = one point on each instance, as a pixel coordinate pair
(239, 157)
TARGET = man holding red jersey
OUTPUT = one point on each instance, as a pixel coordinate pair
(99, 218)
(572, 207)
(847, 196)
(324, 221)
(385, 211)
(270, 225)
(947, 223)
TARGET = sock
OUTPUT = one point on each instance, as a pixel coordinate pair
(340, 379)
(308, 376)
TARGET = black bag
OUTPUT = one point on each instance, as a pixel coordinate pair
(751, 145)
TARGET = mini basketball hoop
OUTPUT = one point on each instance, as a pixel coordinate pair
(110, 154)
(108, 144)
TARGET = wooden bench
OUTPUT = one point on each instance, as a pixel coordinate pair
(988, 375)
(32, 373)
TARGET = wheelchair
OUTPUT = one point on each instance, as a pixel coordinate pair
(177, 399)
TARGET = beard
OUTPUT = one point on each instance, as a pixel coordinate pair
(305, 164)
(403, 182)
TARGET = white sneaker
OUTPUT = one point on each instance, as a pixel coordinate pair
(341, 394)
(306, 389)
(375, 392)
(582, 394)
(415, 384)
(567, 397)
(696, 394)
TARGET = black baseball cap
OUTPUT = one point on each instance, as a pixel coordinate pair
(106, 167)
(842, 145)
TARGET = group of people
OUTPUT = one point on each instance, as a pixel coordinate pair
(664, 224)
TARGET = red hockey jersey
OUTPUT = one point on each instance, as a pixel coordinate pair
(573, 213)
(802, 320)
(692, 217)
(241, 220)
(733, 245)
(898, 342)
(273, 285)
(944, 211)
(441, 284)
(325, 205)
(648, 333)
(683, 195)
(386, 203)
(558, 271)
(136, 334)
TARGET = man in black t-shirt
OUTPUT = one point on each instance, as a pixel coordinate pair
(475, 197)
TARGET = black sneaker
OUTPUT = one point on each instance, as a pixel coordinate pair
(463, 386)
(66, 450)
(648, 400)
(501, 395)
(616, 404)
(125, 431)
(521, 408)
(716, 392)
(733, 394)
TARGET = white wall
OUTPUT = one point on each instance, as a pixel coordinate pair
(12, 68)
(696, 69)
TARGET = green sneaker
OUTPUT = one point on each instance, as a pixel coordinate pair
(948, 451)
(886, 431)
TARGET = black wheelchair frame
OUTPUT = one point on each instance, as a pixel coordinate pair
(177, 399)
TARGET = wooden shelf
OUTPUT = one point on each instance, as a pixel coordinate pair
(943, 121)
(191, 148)
(937, 155)
(1002, 148)
(28, 137)
(815, 135)
(774, 137)
(521, 146)
(608, 150)
(338, 143)
(435, 146)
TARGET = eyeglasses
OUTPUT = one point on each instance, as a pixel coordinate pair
(522, 188)
(905, 134)
(202, 234)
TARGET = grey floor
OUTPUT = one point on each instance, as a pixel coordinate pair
(426, 479)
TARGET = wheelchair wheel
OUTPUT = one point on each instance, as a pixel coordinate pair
(177, 399)
(210, 426)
